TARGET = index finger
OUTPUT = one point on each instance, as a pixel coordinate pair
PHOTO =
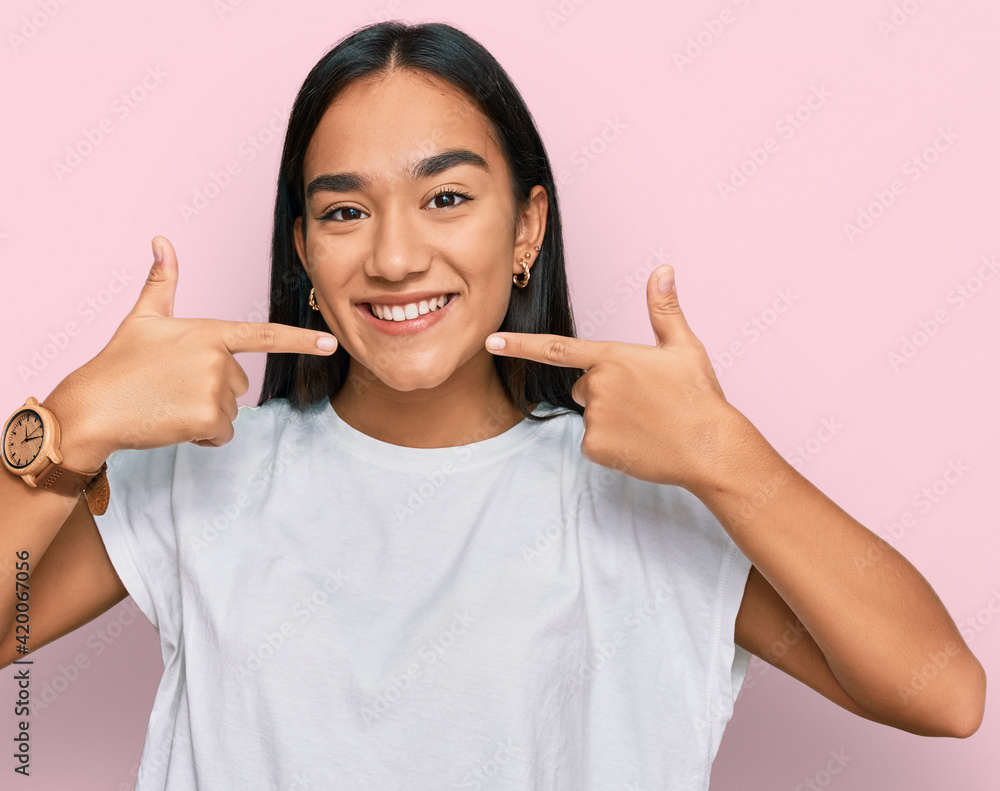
(559, 350)
(266, 336)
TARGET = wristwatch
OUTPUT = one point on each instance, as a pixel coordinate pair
(31, 441)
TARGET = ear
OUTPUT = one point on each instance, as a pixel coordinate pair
(531, 225)
(300, 242)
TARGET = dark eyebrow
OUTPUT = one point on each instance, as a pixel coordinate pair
(425, 168)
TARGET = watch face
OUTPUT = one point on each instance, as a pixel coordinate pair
(23, 438)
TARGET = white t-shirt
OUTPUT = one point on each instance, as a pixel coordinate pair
(337, 612)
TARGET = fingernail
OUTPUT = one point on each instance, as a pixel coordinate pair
(326, 343)
(495, 342)
(157, 252)
(665, 282)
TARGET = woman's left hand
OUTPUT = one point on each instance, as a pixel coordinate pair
(656, 413)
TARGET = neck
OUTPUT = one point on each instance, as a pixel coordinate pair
(469, 406)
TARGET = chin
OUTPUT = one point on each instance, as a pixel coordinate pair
(411, 374)
(422, 379)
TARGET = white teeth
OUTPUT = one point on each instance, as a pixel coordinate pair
(410, 310)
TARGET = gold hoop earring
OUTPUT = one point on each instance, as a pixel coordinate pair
(526, 273)
(312, 299)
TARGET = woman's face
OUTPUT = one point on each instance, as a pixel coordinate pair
(377, 234)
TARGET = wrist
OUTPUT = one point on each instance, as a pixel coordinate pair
(734, 450)
(79, 445)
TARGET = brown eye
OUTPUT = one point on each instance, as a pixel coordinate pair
(449, 196)
(330, 214)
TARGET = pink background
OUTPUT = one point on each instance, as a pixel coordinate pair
(643, 139)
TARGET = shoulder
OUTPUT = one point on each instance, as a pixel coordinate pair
(256, 430)
(554, 443)
(648, 498)
(668, 513)
(561, 424)
(274, 421)
(271, 412)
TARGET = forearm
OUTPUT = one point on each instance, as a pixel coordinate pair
(30, 517)
(884, 632)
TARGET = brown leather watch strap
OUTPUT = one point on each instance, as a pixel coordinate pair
(98, 492)
(64, 480)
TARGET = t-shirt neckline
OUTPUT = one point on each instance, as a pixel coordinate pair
(402, 458)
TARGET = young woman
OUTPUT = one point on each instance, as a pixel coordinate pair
(426, 560)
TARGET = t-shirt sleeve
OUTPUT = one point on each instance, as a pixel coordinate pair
(729, 665)
(709, 573)
(138, 532)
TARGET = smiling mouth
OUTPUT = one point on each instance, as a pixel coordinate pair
(402, 313)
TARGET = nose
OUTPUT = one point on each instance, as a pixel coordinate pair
(398, 249)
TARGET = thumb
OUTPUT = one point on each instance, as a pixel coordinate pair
(665, 313)
(157, 295)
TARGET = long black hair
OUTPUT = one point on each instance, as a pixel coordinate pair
(541, 307)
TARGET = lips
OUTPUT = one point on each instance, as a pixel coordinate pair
(407, 326)
(399, 311)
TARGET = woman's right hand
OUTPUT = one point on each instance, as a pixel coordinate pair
(163, 380)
